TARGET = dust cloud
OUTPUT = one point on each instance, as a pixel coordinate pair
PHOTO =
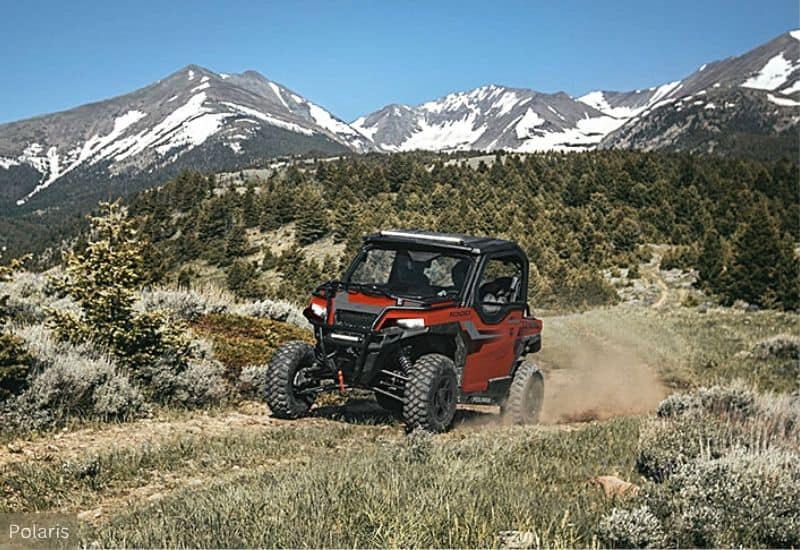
(594, 380)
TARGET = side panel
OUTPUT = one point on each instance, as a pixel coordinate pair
(491, 351)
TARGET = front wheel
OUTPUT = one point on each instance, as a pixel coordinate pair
(286, 377)
(526, 395)
(430, 394)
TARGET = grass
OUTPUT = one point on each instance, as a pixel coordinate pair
(81, 483)
(455, 491)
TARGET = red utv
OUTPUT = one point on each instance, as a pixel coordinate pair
(425, 320)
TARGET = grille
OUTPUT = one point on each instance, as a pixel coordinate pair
(355, 319)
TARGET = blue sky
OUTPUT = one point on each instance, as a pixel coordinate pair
(355, 57)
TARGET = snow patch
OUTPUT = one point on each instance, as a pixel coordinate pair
(528, 122)
(277, 92)
(6, 162)
(772, 75)
(452, 135)
(191, 74)
(169, 129)
(783, 101)
(269, 119)
(795, 34)
(506, 103)
(52, 175)
(324, 119)
(359, 125)
(201, 87)
(224, 76)
(795, 87)
(194, 132)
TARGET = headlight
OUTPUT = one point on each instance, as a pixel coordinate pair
(319, 311)
(411, 323)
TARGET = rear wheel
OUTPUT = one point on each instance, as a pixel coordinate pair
(287, 376)
(431, 394)
(526, 395)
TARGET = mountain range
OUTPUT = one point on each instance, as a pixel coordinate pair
(197, 118)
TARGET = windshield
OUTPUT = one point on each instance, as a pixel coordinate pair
(412, 273)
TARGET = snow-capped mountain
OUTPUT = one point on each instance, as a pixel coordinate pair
(194, 117)
(487, 118)
(754, 94)
(496, 117)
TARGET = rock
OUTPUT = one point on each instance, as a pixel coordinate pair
(615, 487)
(517, 539)
(14, 448)
(90, 514)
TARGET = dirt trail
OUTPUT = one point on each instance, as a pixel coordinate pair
(652, 273)
(84, 442)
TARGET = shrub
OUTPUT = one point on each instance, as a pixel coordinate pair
(730, 401)
(241, 341)
(782, 346)
(179, 304)
(200, 385)
(742, 499)
(637, 528)
(277, 310)
(252, 380)
(666, 445)
(70, 381)
(117, 398)
(14, 359)
(683, 257)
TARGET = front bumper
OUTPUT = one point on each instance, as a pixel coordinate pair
(359, 353)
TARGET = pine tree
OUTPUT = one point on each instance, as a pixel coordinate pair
(712, 262)
(15, 362)
(762, 264)
(235, 243)
(104, 281)
(312, 218)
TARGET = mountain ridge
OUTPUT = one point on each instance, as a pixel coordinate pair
(198, 118)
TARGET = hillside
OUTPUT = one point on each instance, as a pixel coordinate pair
(192, 118)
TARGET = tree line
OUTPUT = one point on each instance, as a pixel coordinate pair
(735, 220)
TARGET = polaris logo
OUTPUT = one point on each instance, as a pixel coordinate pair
(465, 313)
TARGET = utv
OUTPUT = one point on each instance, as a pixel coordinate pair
(424, 320)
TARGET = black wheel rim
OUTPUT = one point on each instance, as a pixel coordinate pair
(300, 381)
(443, 398)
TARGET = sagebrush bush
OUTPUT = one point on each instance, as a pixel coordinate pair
(252, 381)
(186, 305)
(744, 498)
(636, 528)
(200, 384)
(734, 400)
(278, 310)
(781, 346)
(71, 382)
(666, 445)
(118, 399)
